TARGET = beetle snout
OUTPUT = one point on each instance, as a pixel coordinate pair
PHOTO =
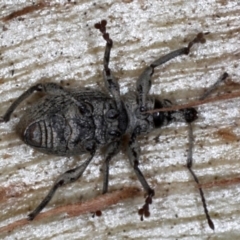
(190, 114)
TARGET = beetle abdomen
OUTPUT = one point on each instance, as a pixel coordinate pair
(52, 133)
(59, 135)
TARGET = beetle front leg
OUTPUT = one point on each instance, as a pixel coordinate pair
(189, 166)
(222, 78)
(144, 81)
(212, 88)
(109, 79)
(68, 177)
(133, 152)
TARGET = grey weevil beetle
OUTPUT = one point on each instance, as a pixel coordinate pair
(68, 122)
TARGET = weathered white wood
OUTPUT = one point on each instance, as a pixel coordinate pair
(59, 43)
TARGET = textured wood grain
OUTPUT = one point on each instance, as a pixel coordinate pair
(57, 42)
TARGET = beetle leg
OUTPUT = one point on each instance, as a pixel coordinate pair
(133, 152)
(144, 81)
(112, 149)
(51, 88)
(21, 98)
(189, 166)
(190, 150)
(68, 177)
(212, 88)
(109, 79)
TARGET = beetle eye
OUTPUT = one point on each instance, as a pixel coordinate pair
(158, 117)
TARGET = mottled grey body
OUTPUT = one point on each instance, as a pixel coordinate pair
(58, 125)
(72, 122)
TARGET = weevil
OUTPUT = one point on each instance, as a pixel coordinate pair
(69, 122)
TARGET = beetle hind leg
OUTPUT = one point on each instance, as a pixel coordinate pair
(68, 177)
(48, 88)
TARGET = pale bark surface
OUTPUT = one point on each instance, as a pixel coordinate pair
(57, 42)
